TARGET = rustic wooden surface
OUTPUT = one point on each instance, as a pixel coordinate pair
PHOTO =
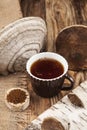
(19, 120)
(58, 14)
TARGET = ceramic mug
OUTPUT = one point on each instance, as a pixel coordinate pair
(51, 86)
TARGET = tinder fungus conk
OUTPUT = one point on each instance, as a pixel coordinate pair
(19, 41)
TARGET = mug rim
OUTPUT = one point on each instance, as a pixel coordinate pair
(45, 55)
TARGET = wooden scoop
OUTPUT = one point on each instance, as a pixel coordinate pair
(72, 44)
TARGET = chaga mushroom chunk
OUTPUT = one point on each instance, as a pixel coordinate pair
(71, 43)
(51, 124)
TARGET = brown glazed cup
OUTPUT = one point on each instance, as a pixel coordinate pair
(49, 87)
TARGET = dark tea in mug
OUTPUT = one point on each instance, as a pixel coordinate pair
(47, 72)
(46, 68)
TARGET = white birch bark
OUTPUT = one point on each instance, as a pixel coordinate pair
(68, 112)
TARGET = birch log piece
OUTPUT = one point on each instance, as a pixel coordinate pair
(70, 112)
(19, 41)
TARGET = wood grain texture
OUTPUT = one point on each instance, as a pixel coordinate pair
(33, 8)
(63, 13)
(59, 14)
(19, 120)
(80, 8)
(11, 119)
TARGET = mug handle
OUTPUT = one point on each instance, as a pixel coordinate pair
(68, 77)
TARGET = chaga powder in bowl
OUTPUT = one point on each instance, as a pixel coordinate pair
(17, 99)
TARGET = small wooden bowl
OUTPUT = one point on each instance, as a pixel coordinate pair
(17, 99)
(72, 44)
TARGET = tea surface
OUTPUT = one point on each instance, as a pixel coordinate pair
(47, 68)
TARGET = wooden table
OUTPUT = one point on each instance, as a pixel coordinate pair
(57, 14)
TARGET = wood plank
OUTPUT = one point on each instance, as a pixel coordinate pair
(60, 14)
(33, 8)
(19, 120)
